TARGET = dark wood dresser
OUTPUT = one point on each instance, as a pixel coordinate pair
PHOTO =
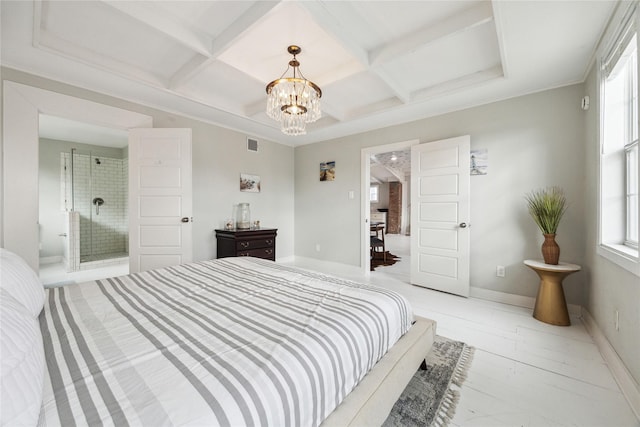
(260, 243)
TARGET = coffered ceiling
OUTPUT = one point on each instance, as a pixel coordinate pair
(378, 63)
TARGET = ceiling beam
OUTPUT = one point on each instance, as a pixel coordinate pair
(238, 27)
(499, 19)
(162, 22)
(59, 46)
(401, 93)
(189, 70)
(464, 21)
(218, 45)
(459, 83)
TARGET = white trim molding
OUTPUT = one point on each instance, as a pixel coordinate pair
(629, 387)
(513, 299)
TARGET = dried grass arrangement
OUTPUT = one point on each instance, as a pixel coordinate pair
(547, 206)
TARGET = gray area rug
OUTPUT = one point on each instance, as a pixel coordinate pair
(430, 398)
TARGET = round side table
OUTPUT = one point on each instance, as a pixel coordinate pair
(551, 307)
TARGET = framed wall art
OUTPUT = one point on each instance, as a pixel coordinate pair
(328, 171)
(249, 183)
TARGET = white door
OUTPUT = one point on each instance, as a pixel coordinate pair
(159, 198)
(440, 215)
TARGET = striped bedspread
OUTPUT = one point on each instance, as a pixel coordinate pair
(235, 341)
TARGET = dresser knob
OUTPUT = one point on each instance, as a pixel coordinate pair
(244, 244)
(268, 251)
(269, 242)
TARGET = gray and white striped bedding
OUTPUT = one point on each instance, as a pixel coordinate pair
(235, 341)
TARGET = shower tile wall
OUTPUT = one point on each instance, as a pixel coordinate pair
(108, 180)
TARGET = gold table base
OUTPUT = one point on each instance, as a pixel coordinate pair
(551, 306)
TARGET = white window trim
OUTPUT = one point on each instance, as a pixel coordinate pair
(377, 199)
(623, 256)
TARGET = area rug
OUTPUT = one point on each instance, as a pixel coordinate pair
(379, 260)
(431, 396)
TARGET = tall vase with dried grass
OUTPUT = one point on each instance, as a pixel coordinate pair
(547, 206)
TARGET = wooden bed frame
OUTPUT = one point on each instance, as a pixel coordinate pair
(370, 403)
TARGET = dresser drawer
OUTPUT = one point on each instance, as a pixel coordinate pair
(260, 243)
(243, 245)
(265, 253)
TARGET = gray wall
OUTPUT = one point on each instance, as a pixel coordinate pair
(533, 141)
(219, 156)
(608, 287)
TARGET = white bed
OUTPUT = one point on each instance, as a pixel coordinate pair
(235, 341)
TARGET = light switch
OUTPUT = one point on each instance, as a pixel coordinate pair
(352, 194)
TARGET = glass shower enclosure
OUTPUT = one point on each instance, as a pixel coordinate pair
(96, 197)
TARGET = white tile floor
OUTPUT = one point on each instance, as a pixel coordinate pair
(56, 274)
(524, 372)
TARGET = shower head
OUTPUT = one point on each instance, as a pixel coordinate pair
(98, 162)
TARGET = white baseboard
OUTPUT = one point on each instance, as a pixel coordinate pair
(286, 260)
(337, 268)
(513, 299)
(629, 387)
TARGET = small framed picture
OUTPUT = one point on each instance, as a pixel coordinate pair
(249, 183)
(479, 161)
(328, 171)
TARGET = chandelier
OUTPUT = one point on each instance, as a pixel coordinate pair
(293, 101)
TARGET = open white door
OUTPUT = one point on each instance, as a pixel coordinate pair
(440, 237)
(160, 199)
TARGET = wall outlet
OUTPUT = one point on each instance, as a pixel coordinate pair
(317, 247)
(617, 320)
(500, 270)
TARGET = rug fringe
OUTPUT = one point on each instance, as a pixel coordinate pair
(460, 373)
(447, 408)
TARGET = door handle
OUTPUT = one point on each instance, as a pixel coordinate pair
(463, 225)
(185, 219)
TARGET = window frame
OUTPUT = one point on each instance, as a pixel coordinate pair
(377, 191)
(625, 253)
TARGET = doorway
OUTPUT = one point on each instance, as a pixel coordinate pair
(21, 114)
(439, 199)
(83, 209)
(386, 173)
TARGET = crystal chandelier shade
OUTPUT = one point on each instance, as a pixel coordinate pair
(293, 101)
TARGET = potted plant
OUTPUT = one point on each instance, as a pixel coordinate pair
(546, 207)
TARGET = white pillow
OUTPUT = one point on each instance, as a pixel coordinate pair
(21, 282)
(22, 364)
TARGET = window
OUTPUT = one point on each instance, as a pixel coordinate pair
(619, 202)
(373, 193)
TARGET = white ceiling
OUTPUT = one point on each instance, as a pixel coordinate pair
(378, 63)
(391, 166)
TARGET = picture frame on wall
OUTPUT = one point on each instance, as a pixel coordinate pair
(328, 171)
(479, 162)
(249, 183)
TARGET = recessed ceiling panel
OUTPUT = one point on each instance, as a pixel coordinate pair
(94, 28)
(222, 83)
(261, 51)
(447, 59)
(384, 21)
(357, 91)
(208, 17)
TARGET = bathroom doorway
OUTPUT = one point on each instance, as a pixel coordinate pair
(83, 212)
